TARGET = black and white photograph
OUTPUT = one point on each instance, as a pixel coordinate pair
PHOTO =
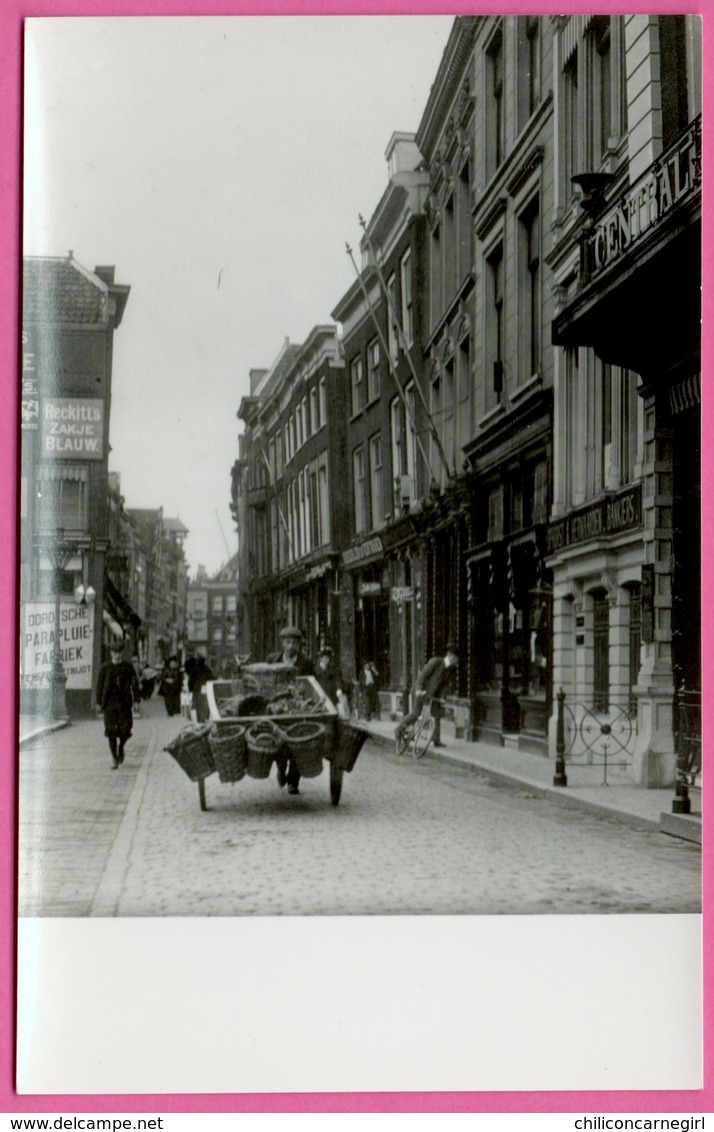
(360, 547)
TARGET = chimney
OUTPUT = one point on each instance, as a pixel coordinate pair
(106, 274)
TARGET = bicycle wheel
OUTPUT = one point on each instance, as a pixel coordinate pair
(404, 740)
(422, 737)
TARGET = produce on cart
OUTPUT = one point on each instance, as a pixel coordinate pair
(264, 713)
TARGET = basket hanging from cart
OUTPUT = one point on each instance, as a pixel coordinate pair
(306, 743)
(192, 751)
(228, 747)
(350, 740)
(263, 741)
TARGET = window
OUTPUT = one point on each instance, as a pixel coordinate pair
(495, 514)
(373, 370)
(359, 490)
(397, 439)
(288, 450)
(411, 440)
(448, 414)
(407, 298)
(635, 643)
(62, 499)
(218, 635)
(271, 459)
(392, 315)
(357, 385)
(572, 124)
(217, 605)
(673, 76)
(293, 435)
(450, 258)
(494, 327)
(376, 482)
(278, 454)
(435, 412)
(315, 518)
(601, 652)
(435, 275)
(323, 401)
(299, 428)
(305, 419)
(314, 410)
(465, 223)
(529, 287)
(533, 62)
(322, 487)
(495, 119)
(571, 431)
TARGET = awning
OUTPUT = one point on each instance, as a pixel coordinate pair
(118, 606)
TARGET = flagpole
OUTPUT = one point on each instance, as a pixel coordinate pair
(391, 314)
(390, 362)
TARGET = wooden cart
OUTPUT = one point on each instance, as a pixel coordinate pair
(270, 683)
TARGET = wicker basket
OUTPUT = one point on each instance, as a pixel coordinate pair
(265, 678)
(262, 741)
(192, 750)
(229, 751)
(306, 743)
(350, 740)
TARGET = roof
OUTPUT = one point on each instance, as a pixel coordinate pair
(174, 526)
(280, 367)
(62, 291)
(228, 572)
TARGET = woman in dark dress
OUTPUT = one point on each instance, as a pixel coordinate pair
(170, 686)
(117, 692)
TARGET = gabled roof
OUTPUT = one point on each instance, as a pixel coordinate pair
(229, 572)
(62, 291)
(174, 526)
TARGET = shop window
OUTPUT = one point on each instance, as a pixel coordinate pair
(601, 652)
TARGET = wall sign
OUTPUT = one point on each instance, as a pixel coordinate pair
(402, 593)
(30, 400)
(611, 515)
(76, 640)
(73, 428)
(368, 549)
(370, 589)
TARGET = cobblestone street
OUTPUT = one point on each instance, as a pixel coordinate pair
(407, 838)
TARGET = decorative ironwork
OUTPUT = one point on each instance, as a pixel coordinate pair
(687, 745)
(592, 737)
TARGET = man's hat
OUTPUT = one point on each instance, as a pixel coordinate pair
(117, 646)
(326, 650)
(290, 631)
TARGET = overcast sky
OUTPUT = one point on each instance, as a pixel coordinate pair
(220, 164)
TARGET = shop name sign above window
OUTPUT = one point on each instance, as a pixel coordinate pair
(72, 428)
(609, 516)
(365, 550)
(672, 179)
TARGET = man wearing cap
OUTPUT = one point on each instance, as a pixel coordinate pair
(117, 692)
(431, 683)
(326, 673)
(291, 653)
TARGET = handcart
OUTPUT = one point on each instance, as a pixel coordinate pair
(266, 714)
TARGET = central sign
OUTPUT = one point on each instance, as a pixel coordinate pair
(608, 516)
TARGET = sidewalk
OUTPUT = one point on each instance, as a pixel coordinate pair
(32, 727)
(619, 799)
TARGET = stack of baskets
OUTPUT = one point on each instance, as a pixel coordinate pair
(192, 750)
(306, 743)
(228, 748)
(263, 742)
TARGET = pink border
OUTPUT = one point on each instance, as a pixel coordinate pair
(12, 13)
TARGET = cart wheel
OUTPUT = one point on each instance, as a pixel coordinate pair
(202, 793)
(336, 776)
(422, 739)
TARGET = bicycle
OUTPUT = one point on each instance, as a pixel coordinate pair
(417, 736)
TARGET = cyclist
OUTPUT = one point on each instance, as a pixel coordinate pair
(430, 684)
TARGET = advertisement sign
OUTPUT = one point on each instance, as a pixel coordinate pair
(29, 399)
(73, 428)
(76, 638)
(402, 593)
(370, 589)
(368, 549)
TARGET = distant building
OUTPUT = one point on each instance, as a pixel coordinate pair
(212, 617)
(164, 629)
(69, 318)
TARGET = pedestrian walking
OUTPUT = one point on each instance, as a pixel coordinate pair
(198, 677)
(328, 675)
(117, 692)
(170, 686)
(290, 652)
(369, 682)
(431, 683)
